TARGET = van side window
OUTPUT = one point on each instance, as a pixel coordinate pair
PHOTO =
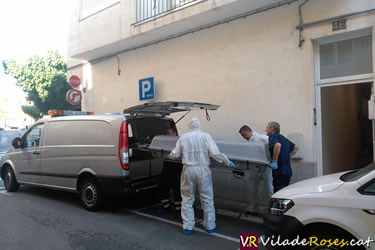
(79, 132)
(32, 138)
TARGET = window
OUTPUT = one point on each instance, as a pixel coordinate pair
(345, 58)
(79, 133)
(144, 129)
(368, 189)
(32, 138)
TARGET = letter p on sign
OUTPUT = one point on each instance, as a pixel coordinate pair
(146, 89)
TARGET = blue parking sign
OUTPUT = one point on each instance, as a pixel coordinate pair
(146, 89)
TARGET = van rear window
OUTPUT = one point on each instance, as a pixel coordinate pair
(148, 127)
(79, 133)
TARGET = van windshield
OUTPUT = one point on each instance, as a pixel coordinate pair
(356, 174)
(145, 128)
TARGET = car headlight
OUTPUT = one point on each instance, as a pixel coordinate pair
(280, 206)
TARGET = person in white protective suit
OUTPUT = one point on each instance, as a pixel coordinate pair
(196, 147)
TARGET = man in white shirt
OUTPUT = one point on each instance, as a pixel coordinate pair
(253, 136)
(263, 188)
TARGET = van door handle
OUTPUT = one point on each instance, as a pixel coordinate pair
(36, 153)
(369, 211)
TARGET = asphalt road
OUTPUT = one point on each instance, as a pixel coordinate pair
(37, 218)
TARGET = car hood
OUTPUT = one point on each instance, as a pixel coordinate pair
(320, 184)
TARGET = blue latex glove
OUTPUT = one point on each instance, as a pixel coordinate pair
(231, 164)
(273, 165)
(169, 156)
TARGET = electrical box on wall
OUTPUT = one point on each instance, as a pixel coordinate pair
(371, 109)
(297, 139)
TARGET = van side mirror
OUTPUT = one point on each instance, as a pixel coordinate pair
(16, 143)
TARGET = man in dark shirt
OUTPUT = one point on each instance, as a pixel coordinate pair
(170, 178)
(281, 150)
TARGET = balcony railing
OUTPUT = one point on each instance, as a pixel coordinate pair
(149, 9)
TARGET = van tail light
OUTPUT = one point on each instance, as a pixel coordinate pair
(123, 149)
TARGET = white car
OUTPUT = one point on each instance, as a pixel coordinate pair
(335, 211)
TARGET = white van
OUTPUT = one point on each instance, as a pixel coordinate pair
(94, 155)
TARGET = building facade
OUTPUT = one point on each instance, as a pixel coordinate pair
(308, 65)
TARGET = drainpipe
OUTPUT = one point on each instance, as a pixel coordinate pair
(301, 26)
(336, 18)
(301, 40)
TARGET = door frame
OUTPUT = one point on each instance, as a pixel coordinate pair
(338, 81)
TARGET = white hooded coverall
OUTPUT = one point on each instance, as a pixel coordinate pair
(196, 147)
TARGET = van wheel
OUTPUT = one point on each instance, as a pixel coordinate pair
(90, 194)
(10, 181)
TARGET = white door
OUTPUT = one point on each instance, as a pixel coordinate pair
(344, 82)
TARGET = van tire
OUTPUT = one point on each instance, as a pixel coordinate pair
(10, 182)
(91, 195)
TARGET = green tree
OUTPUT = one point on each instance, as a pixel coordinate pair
(32, 111)
(44, 80)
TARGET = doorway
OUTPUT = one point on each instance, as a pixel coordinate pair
(347, 140)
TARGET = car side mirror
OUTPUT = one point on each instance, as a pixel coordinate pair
(16, 143)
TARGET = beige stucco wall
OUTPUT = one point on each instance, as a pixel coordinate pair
(252, 67)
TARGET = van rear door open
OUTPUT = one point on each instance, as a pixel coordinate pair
(141, 132)
(147, 121)
(167, 108)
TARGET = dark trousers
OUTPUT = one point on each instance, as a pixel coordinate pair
(170, 178)
(280, 181)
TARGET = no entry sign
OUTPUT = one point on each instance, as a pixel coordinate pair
(74, 96)
(74, 81)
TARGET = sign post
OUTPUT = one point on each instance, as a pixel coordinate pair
(74, 96)
(146, 89)
(74, 81)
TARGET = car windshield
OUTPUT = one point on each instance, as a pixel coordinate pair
(358, 173)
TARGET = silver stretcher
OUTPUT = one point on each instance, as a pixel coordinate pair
(248, 156)
(251, 161)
